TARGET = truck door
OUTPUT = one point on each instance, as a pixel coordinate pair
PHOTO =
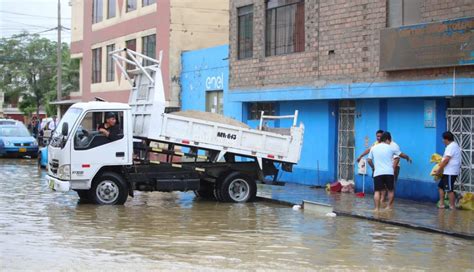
(93, 147)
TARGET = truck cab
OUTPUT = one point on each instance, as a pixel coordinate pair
(78, 151)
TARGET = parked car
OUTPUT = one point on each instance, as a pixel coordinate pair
(18, 141)
(8, 122)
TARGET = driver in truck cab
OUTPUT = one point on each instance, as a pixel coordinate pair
(110, 129)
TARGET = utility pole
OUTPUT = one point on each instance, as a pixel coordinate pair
(59, 61)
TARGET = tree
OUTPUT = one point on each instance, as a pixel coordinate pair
(29, 80)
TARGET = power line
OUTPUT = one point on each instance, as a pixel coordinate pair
(30, 15)
(37, 26)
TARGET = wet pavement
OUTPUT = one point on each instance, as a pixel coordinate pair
(43, 230)
(413, 214)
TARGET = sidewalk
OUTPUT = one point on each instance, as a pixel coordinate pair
(418, 215)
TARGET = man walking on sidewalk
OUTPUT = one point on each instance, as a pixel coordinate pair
(449, 167)
(382, 164)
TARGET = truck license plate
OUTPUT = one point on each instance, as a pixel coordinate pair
(22, 149)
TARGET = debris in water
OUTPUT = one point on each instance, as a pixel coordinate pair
(296, 207)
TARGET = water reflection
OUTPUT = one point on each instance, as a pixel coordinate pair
(42, 230)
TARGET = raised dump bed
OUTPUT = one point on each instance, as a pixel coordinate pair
(211, 132)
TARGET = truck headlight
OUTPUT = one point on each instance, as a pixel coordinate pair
(64, 172)
(34, 144)
(7, 143)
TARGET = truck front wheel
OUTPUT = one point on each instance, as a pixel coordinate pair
(109, 189)
(237, 188)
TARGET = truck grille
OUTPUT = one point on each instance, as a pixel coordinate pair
(53, 166)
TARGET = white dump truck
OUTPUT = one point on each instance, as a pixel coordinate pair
(214, 156)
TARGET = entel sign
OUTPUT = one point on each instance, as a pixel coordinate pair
(215, 82)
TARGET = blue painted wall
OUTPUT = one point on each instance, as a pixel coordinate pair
(200, 71)
(378, 106)
(404, 119)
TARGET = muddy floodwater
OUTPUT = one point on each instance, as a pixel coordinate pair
(43, 230)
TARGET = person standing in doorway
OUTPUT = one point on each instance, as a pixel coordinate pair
(378, 136)
(381, 161)
(450, 168)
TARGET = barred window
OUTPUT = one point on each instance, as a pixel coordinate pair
(97, 65)
(97, 9)
(149, 48)
(110, 64)
(255, 110)
(284, 27)
(245, 32)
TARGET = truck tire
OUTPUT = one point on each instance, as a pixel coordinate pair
(238, 188)
(108, 189)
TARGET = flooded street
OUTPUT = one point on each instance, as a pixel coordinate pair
(43, 230)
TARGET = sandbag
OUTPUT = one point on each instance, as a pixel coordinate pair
(467, 202)
(436, 158)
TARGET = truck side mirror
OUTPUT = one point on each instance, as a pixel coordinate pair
(65, 129)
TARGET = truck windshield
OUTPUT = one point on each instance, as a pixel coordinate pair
(70, 117)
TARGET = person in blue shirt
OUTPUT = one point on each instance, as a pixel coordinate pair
(382, 159)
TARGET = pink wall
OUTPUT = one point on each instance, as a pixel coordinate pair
(159, 19)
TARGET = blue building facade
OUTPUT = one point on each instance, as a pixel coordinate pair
(416, 119)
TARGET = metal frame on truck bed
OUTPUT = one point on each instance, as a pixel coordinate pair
(159, 151)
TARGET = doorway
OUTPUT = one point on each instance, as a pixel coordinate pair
(460, 118)
(346, 140)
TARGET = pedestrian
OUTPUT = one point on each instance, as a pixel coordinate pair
(449, 167)
(378, 136)
(381, 160)
(53, 123)
(396, 165)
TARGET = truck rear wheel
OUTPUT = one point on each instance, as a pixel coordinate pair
(238, 188)
(109, 189)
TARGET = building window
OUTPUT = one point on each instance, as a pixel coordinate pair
(255, 110)
(111, 8)
(97, 11)
(131, 5)
(110, 63)
(149, 48)
(132, 45)
(245, 32)
(148, 2)
(403, 12)
(97, 65)
(284, 27)
(214, 102)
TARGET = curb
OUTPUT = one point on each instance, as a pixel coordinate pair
(390, 222)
